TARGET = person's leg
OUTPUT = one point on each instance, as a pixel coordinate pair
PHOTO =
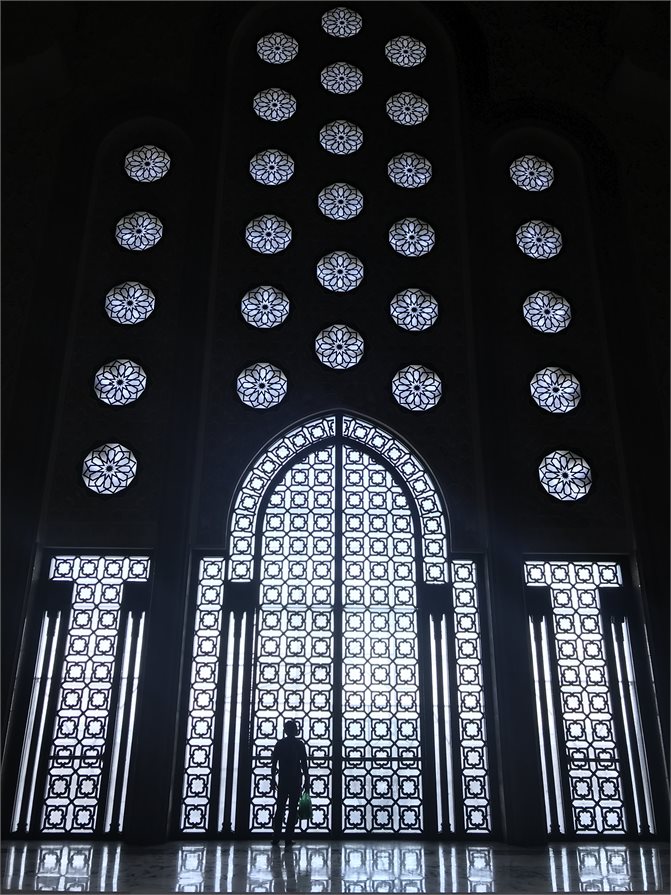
(278, 819)
(294, 794)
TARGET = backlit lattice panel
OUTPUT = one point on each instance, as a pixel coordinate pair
(382, 786)
(294, 641)
(592, 758)
(77, 755)
(471, 699)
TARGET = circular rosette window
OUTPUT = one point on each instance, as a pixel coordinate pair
(565, 475)
(341, 22)
(129, 303)
(147, 163)
(271, 167)
(341, 137)
(264, 307)
(119, 382)
(538, 240)
(340, 271)
(274, 104)
(407, 108)
(547, 312)
(261, 385)
(416, 387)
(138, 231)
(340, 201)
(409, 170)
(268, 234)
(339, 346)
(412, 237)
(555, 390)
(341, 77)
(405, 51)
(532, 173)
(277, 48)
(109, 468)
(414, 310)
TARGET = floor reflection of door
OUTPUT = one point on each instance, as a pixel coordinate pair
(336, 643)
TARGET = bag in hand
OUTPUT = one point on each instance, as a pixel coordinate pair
(305, 806)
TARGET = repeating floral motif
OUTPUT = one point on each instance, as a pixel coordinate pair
(129, 303)
(538, 240)
(339, 346)
(555, 390)
(565, 475)
(271, 167)
(412, 237)
(407, 108)
(147, 163)
(274, 104)
(120, 382)
(532, 173)
(414, 309)
(277, 48)
(547, 312)
(264, 307)
(340, 271)
(341, 22)
(138, 231)
(341, 137)
(416, 387)
(109, 468)
(409, 170)
(268, 234)
(341, 77)
(405, 51)
(340, 201)
(262, 385)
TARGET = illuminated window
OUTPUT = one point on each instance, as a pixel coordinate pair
(277, 48)
(532, 173)
(341, 77)
(565, 475)
(406, 52)
(138, 231)
(341, 137)
(340, 202)
(268, 234)
(271, 167)
(547, 312)
(120, 382)
(265, 307)
(538, 240)
(416, 387)
(412, 237)
(555, 390)
(414, 309)
(274, 104)
(340, 272)
(147, 164)
(407, 108)
(409, 170)
(341, 22)
(109, 468)
(262, 385)
(339, 346)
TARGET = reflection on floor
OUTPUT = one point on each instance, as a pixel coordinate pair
(332, 867)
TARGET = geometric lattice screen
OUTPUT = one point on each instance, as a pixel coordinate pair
(590, 730)
(331, 551)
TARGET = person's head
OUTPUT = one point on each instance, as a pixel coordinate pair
(290, 729)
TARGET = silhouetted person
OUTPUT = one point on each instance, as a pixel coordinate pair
(291, 756)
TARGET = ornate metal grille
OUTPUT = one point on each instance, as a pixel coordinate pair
(382, 785)
(85, 765)
(294, 646)
(585, 701)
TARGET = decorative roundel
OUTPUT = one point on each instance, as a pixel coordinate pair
(147, 163)
(109, 468)
(341, 137)
(129, 303)
(538, 240)
(340, 271)
(341, 77)
(405, 51)
(416, 387)
(264, 307)
(274, 104)
(412, 237)
(565, 475)
(261, 385)
(409, 170)
(341, 22)
(268, 234)
(339, 346)
(138, 231)
(555, 390)
(547, 312)
(340, 201)
(277, 48)
(414, 309)
(532, 173)
(271, 167)
(120, 382)
(407, 108)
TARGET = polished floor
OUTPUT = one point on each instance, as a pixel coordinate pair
(364, 866)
